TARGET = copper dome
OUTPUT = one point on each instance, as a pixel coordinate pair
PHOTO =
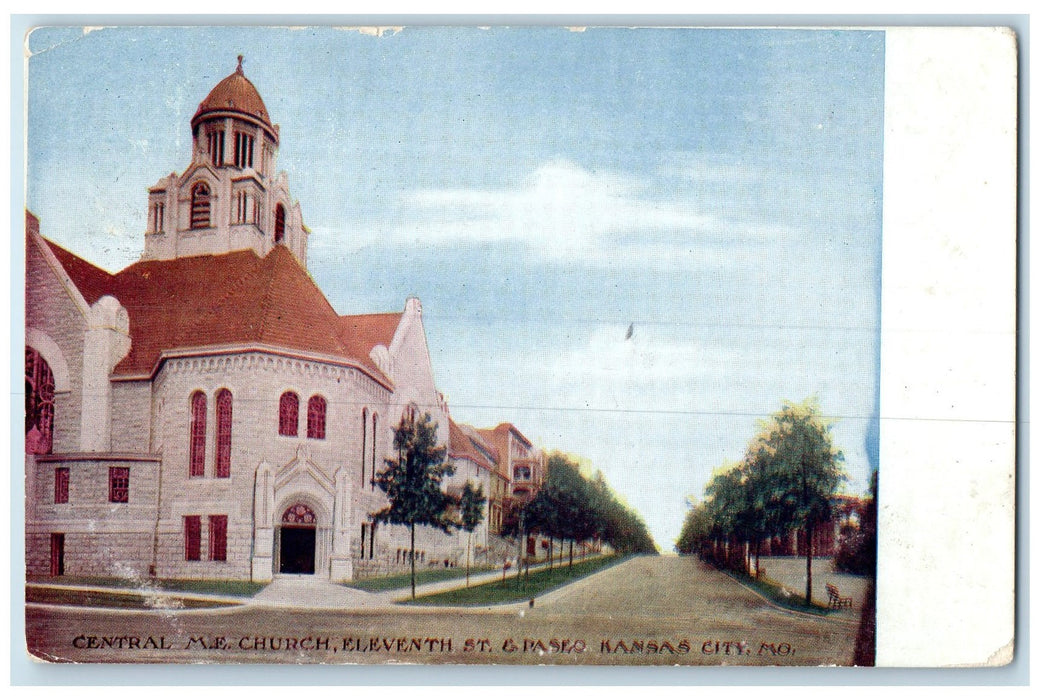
(235, 96)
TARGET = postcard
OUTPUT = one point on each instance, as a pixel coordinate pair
(520, 345)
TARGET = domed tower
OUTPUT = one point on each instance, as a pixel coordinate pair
(231, 196)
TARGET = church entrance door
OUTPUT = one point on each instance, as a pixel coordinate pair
(297, 540)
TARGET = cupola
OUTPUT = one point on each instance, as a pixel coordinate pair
(235, 96)
(231, 197)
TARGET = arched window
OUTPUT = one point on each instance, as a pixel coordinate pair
(223, 461)
(375, 435)
(39, 404)
(279, 223)
(364, 440)
(289, 414)
(316, 418)
(197, 446)
(200, 205)
(299, 514)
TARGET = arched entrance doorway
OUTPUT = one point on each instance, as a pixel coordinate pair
(297, 540)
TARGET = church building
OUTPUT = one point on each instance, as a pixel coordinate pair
(205, 413)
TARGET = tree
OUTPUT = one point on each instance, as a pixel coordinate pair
(696, 530)
(471, 513)
(801, 471)
(616, 523)
(577, 518)
(412, 482)
(732, 510)
(563, 508)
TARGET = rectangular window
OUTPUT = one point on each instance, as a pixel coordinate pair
(218, 537)
(364, 531)
(61, 485)
(57, 554)
(192, 537)
(119, 484)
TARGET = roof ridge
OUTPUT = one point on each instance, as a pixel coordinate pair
(269, 289)
(264, 302)
(78, 258)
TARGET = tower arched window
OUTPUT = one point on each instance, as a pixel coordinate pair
(279, 223)
(39, 404)
(223, 460)
(316, 417)
(197, 446)
(200, 205)
(289, 414)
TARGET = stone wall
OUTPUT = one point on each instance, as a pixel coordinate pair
(56, 316)
(300, 468)
(101, 538)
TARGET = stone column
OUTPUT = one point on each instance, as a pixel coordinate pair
(106, 342)
(262, 563)
(342, 566)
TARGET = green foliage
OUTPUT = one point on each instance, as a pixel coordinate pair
(619, 525)
(696, 530)
(795, 466)
(412, 482)
(571, 506)
(787, 480)
(471, 506)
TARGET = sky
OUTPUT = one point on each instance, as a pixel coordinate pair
(542, 191)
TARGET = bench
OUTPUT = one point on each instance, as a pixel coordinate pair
(834, 598)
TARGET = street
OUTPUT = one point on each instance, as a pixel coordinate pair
(647, 610)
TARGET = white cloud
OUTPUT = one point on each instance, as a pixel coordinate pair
(563, 211)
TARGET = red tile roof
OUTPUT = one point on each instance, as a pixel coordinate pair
(463, 446)
(235, 94)
(220, 300)
(361, 333)
(92, 282)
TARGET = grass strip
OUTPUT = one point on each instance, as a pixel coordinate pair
(103, 599)
(778, 594)
(246, 589)
(390, 583)
(520, 588)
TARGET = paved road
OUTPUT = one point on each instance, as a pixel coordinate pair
(650, 610)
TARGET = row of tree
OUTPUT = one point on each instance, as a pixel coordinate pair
(574, 508)
(786, 482)
(568, 506)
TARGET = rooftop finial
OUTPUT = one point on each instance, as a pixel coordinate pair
(239, 69)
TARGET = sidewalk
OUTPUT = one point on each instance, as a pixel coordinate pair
(306, 592)
(789, 572)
